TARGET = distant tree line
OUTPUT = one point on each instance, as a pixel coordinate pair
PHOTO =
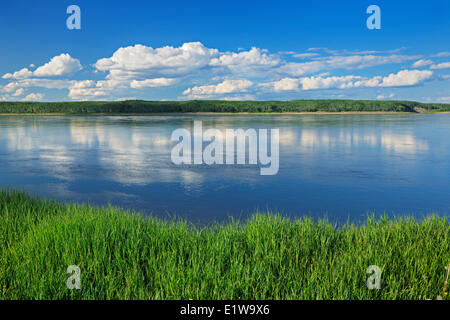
(140, 106)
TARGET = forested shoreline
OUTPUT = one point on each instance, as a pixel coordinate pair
(219, 106)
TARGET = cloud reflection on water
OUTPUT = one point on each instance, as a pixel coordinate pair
(140, 154)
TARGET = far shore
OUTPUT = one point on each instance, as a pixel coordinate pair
(217, 113)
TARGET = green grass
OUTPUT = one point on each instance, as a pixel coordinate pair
(139, 106)
(129, 256)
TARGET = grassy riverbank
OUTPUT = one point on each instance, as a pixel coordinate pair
(123, 256)
(143, 107)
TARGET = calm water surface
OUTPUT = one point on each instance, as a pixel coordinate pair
(339, 166)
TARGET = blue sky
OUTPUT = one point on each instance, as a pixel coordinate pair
(245, 50)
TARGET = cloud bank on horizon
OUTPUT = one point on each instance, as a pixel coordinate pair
(208, 73)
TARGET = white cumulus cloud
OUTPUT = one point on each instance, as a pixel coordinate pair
(246, 60)
(285, 84)
(444, 65)
(421, 63)
(225, 87)
(85, 90)
(400, 79)
(341, 62)
(151, 83)
(18, 92)
(34, 97)
(314, 83)
(167, 59)
(406, 78)
(60, 65)
(21, 74)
